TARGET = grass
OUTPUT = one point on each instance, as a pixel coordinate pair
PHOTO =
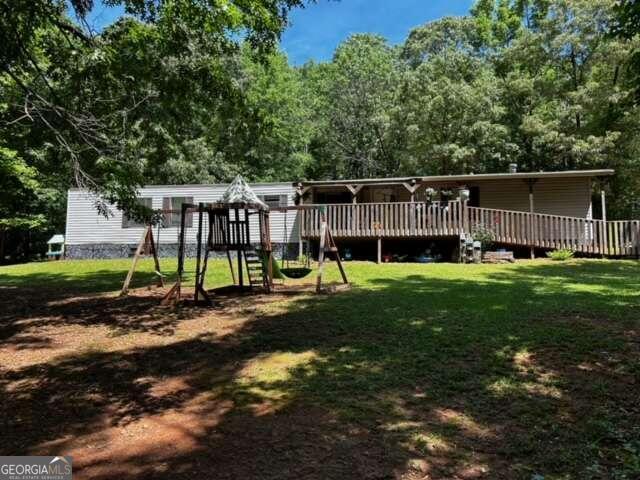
(521, 371)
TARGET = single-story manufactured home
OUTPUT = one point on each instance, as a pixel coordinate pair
(91, 235)
(534, 209)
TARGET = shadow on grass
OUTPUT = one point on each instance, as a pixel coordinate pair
(55, 285)
(73, 294)
(531, 370)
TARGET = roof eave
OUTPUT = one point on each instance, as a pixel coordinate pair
(461, 178)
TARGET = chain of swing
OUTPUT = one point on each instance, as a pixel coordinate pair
(286, 269)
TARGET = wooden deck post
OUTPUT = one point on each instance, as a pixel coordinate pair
(412, 187)
(379, 250)
(198, 252)
(531, 182)
(299, 217)
(239, 248)
(605, 240)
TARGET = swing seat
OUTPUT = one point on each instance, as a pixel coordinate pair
(299, 272)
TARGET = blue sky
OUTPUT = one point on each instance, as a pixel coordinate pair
(316, 30)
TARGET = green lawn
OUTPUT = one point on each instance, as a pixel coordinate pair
(520, 371)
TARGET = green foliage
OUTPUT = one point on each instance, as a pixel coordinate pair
(194, 92)
(161, 96)
(485, 234)
(560, 255)
(627, 26)
(20, 201)
(451, 117)
(356, 96)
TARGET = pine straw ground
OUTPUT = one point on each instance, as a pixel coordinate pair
(524, 371)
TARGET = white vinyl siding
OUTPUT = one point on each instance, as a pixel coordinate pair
(86, 226)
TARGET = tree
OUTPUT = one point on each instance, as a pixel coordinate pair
(449, 34)
(626, 26)
(566, 94)
(452, 117)
(356, 93)
(275, 145)
(51, 61)
(20, 188)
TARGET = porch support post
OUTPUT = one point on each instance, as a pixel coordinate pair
(605, 229)
(412, 186)
(531, 182)
(379, 250)
(354, 189)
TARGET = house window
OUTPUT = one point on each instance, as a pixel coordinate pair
(172, 207)
(274, 201)
(132, 223)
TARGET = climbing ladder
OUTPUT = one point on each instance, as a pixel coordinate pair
(255, 269)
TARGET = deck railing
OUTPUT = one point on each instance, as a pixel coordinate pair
(401, 219)
(406, 219)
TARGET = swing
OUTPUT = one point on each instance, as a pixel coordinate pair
(293, 272)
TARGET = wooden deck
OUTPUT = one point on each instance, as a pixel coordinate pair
(416, 220)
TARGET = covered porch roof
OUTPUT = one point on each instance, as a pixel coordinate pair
(456, 178)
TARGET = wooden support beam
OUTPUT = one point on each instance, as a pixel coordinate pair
(154, 252)
(379, 250)
(334, 249)
(531, 182)
(323, 239)
(233, 273)
(200, 290)
(173, 295)
(354, 189)
(605, 240)
(411, 187)
(239, 250)
(327, 246)
(198, 253)
(302, 191)
(136, 257)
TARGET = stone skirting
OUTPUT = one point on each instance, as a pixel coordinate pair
(111, 250)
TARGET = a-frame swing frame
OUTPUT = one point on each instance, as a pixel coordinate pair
(146, 244)
(328, 247)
